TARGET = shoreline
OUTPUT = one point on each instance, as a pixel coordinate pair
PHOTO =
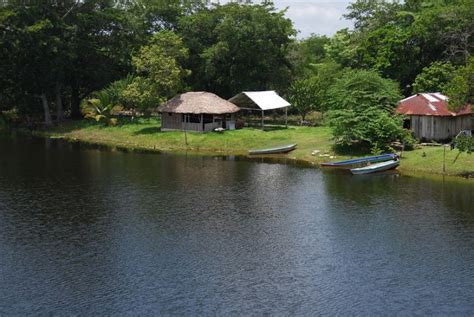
(269, 159)
(220, 145)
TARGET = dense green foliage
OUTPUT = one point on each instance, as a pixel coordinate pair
(371, 127)
(360, 89)
(134, 55)
(361, 107)
(400, 39)
(54, 54)
(461, 88)
(465, 144)
(159, 71)
(434, 78)
(237, 47)
(302, 95)
(306, 54)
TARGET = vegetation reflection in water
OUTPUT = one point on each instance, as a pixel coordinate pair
(95, 232)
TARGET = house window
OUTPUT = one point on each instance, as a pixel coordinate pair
(192, 118)
(207, 118)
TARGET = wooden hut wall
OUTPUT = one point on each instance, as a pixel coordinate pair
(171, 121)
(175, 121)
(439, 128)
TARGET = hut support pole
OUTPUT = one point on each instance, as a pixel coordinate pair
(263, 114)
(286, 117)
(185, 127)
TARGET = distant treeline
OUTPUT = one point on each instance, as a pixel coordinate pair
(57, 55)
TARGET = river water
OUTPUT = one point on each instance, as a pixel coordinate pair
(84, 231)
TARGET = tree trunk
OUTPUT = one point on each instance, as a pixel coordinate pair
(47, 115)
(5, 120)
(59, 104)
(75, 104)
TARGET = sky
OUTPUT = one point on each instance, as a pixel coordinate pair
(321, 17)
(315, 16)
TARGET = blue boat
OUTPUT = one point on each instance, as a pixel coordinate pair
(361, 161)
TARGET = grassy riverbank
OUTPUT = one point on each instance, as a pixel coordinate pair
(145, 134)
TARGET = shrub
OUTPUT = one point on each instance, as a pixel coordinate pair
(101, 108)
(371, 127)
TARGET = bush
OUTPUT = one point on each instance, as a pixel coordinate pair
(101, 108)
(372, 127)
(465, 143)
(362, 105)
(359, 89)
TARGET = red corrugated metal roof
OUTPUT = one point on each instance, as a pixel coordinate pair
(429, 104)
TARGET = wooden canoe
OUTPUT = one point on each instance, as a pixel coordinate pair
(275, 150)
(377, 167)
(361, 161)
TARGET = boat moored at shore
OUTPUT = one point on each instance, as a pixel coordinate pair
(275, 150)
(377, 167)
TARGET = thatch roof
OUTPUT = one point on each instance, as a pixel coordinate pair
(198, 102)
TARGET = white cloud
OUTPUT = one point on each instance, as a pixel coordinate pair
(319, 17)
(314, 16)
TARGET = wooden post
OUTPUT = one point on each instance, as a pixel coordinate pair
(263, 114)
(202, 122)
(185, 127)
(444, 158)
(286, 117)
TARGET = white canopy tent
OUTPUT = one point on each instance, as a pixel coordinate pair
(261, 101)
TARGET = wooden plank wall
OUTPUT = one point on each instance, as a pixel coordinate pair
(175, 122)
(440, 128)
(171, 121)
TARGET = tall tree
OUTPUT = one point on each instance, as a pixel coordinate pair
(359, 89)
(434, 78)
(159, 71)
(66, 47)
(237, 47)
(362, 110)
(372, 14)
(302, 96)
(460, 89)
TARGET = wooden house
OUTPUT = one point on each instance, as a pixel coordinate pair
(430, 118)
(197, 111)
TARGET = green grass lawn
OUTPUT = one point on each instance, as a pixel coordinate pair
(145, 134)
(429, 159)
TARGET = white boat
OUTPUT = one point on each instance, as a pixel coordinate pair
(275, 150)
(377, 167)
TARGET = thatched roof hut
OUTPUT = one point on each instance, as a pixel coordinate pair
(197, 103)
(198, 111)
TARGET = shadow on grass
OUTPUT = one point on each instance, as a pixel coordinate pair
(70, 125)
(126, 120)
(274, 128)
(354, 150)
(149, 130)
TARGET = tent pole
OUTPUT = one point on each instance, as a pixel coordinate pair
(286, 117)
(263, 119)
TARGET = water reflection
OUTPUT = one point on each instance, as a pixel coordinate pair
(98, 232)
